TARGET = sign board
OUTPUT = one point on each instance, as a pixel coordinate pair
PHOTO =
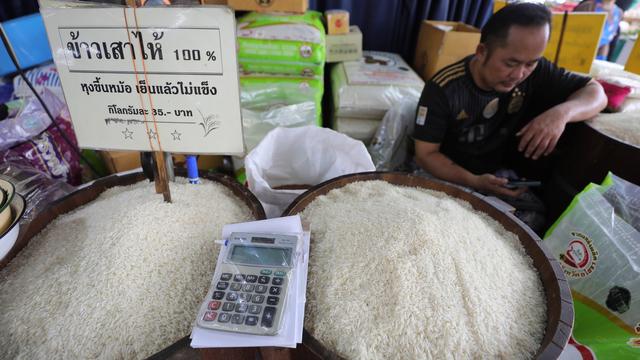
(579, 42)
(149, 78)
(633, 62)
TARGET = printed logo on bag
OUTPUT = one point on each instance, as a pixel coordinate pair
(264, 3)
(422, 115)
(305, 51)
(580, 258)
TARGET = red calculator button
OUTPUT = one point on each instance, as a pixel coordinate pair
(210, 316)
(214, 305)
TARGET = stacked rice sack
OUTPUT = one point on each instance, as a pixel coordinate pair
(281, 58)
(364, 90)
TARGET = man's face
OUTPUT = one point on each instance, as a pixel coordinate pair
(507, 65)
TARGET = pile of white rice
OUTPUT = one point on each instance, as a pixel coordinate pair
(120, 278)
(407, 273)
(622, 126)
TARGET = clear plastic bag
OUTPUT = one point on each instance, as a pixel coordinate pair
(389, 147)
(38, 189)
(599, 251)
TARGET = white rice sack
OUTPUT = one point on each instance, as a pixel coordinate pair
(407, 273)
(119, 278)
(359, 129)
(367, 88)
(624, 126)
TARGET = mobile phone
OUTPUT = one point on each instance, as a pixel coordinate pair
(512, 184)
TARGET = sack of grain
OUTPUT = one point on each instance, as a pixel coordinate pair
(298, 158)
(597, 240)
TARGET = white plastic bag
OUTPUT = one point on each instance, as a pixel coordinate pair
(300, 157)
(391, 141)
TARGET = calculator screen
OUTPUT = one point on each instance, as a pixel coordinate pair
(260, 255)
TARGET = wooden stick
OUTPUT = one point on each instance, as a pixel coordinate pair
(161, 180)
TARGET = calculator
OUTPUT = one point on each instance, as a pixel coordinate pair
(251, 284)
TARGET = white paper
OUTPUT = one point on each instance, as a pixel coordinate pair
(291, 332)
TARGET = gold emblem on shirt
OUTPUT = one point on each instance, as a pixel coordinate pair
(462, 115)
(515, 104)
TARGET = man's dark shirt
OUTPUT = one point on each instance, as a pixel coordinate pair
(476, 128)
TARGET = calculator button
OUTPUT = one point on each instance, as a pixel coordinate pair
(217, 295)
(214, 305)
(265, 272)
(251, 321)
(244, 297)
(241, 308)
(258, 299)
(251, 278)
(255, 309)
(228, 306)
(225, 277)
(232, 296)
(224, 317)
(222, 285)
(248, 287)
(272, 300)
(263, 279)
(237, 319)
(261, 289)
(274, 290)
(236, 286)
(279, 273)
(276, 281)
(267, 316)
(238, 277)
(210, 316)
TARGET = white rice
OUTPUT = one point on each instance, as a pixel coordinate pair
(121, 277)
(407, 273)
(622, 126)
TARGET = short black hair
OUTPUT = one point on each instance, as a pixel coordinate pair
(496, 30)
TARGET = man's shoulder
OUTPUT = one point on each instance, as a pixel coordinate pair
(449, 75)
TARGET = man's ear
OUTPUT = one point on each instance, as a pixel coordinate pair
(482, 52)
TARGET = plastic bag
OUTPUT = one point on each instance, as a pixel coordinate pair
(30, 121)
(599, 251)
(38, 188)
(389, 146)
(298, 158)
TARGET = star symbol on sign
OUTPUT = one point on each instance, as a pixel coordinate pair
(152, 134)
(128, 134)
(176, 135)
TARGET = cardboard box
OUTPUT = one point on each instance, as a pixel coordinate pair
(295, 6)
(441, 43)
(337, 22)
(346, 47)
(118, 161)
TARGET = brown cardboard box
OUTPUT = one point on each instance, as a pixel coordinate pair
(295, 6)
(117, 161)
(337, 22)
(441, 43)
(346, 47)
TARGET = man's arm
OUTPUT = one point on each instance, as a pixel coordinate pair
(429, 157)
(541, 134)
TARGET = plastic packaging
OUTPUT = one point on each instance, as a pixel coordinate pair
(369, 87)
(288, 160)
(251, 283)
(282, 43)
(598, 244)
(37, 187)
(390, 145)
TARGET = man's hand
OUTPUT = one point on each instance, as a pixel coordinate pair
(496, 185)
(541, 134)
